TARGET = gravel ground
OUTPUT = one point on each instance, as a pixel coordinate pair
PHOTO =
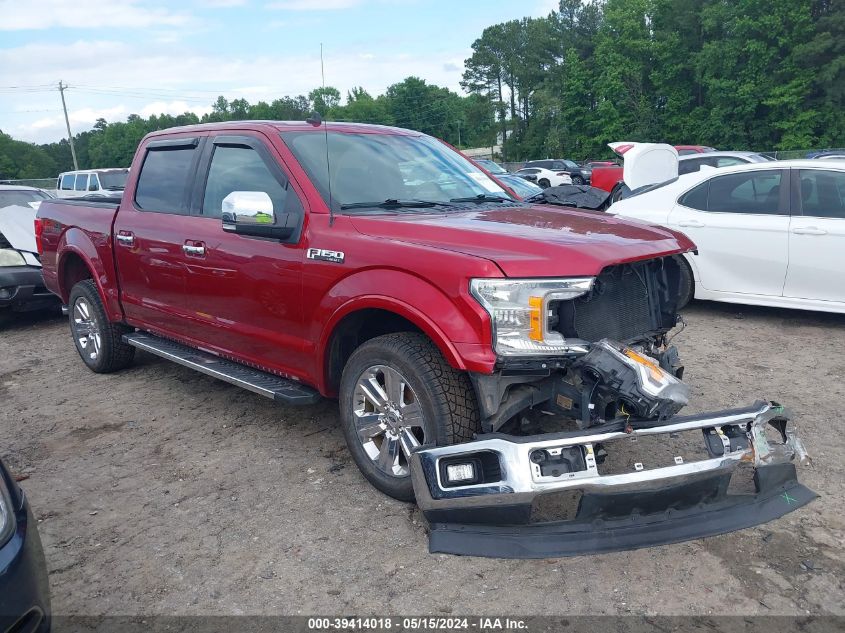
(161, 491)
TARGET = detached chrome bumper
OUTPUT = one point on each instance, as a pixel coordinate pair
(490, 516)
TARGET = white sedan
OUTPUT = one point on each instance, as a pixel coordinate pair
(545, 177)
(768, 234)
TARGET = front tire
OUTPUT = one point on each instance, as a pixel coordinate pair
(397, 391)
(98, 340)
(577, 180)
(687, 283)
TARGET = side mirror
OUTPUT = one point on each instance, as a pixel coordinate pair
(251, 213)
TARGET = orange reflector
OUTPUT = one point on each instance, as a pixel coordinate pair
(535, 305)
(656, 372)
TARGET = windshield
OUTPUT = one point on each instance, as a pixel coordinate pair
(492, 167)
(21, 197)
(113, 179)
(522, 187)
(374, 168)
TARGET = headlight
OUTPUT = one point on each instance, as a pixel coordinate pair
(519, 310)
(7, 514)
(11, 257)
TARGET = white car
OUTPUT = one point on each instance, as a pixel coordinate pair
(545, 177)
(768, 234)
(91, 182)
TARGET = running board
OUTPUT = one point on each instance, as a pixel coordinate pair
(255, 380)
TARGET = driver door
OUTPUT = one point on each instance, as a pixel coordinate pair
(740, 224)
(245, 293)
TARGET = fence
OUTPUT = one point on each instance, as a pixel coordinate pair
(40, 183)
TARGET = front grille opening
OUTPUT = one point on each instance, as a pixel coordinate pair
(626, 302)
(29, 622)
(556, 506)
(651, 451)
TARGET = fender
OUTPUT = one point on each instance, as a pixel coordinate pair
(689, 257)
(76, 241)
(459, 327)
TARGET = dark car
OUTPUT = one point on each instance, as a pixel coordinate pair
(24, 592)
(21, 285)
(580, 175)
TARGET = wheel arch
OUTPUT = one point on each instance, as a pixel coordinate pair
(80, 259)
(365, 318)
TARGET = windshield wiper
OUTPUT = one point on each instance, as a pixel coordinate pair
(482, 197)
(393, 203)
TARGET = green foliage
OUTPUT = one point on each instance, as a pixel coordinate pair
(734, 74)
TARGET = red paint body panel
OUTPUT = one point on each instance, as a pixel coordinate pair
(264, 303)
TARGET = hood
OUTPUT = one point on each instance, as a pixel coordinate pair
(535, 241)
(17, 224)
(646, 163)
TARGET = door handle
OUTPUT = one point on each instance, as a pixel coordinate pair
(809, 230)
(195, 250)
(691, 223)
(125, 238)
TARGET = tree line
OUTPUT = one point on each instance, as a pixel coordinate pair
(733, 74)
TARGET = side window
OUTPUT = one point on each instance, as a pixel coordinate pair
(823, 193)
(756, 192)
(236, 168)
(689, 166)
(81, 182)
(557, 165)
(696, 198)
(67, 182)
(686, 152)
(93, 183)
(164, 179)
(727, 161)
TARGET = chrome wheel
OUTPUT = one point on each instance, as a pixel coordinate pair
(85, 329)
(388, 418)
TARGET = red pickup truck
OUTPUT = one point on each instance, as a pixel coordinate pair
(484, 351)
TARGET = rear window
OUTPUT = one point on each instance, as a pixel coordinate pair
(164, 178)
(696, 198)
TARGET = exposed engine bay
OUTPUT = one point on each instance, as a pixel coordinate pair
(621, 364)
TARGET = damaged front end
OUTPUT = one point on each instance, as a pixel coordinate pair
(584, 452)
(489, 510)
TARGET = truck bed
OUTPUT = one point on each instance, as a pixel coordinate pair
(79, 227)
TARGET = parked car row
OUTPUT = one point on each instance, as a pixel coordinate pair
(767, 232)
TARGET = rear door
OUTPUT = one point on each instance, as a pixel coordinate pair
(817, 236)
(244, 293)
(150, 232)
(740, 223)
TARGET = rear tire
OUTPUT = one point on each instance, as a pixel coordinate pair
(98, 341)
(687, 283)
(545, 184)
(400, 384)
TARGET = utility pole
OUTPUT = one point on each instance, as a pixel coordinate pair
(67, 123)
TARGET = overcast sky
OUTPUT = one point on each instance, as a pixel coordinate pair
(152, 56)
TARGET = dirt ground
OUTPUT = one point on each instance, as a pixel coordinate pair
(161, 491)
